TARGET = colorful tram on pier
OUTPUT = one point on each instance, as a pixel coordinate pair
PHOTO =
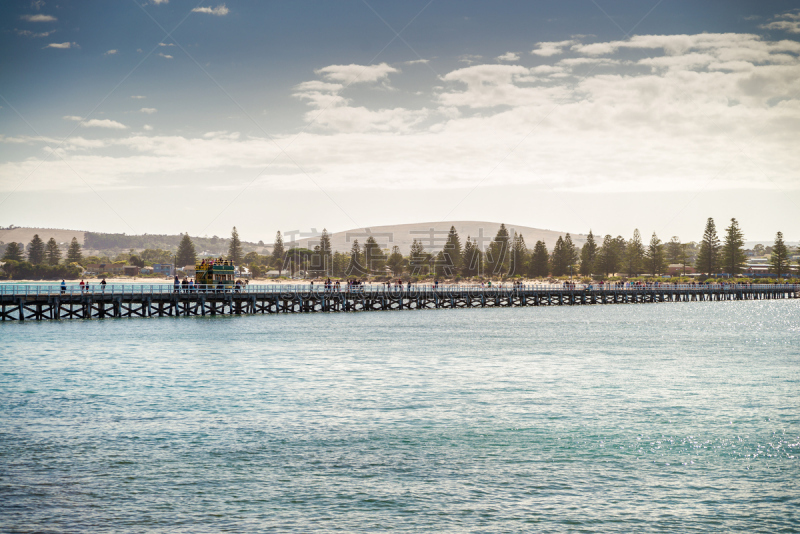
(217, 274)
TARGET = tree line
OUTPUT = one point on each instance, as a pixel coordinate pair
(505, 256)
(508, 255)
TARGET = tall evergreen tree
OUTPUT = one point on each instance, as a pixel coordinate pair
(452, 252)
(396, 261)
(588, 255)
(235, 252)
(608, 258)
(558, 262)
(497, 255)
(674, 250)
(52, 253)
(654, 256)
(417, 259)
(539, 267)
(634, 254)
(571, 254)
(779, 260)
(13, 252)
(471, 261)
(733, 258)
(340, 262)
(278, 253)
(74, 254)
(374, 259)
(356, 266)
(325, 251)
(36, 250)
(708, 256)
(519, 252)
(621, 247)
(186, 254)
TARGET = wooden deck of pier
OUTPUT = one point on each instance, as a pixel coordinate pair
(164, 302)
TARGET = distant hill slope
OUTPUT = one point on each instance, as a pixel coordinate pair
(24, 235)
(433, 235)
(110, 243)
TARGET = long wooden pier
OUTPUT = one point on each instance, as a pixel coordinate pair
(38, 303)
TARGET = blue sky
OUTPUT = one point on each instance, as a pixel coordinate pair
(292, 115)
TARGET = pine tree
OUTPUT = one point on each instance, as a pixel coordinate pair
(417, 257)
(36, 250)
(733, 258)
(374, 259)
(396, 261)
(52, 253)
(779, 261)
(235, 252)
(608, 258)
(518, 254)
(571, 255)
(13, 252)
(355, 267)
(278, 253)
(74, 254)
(708, 257)
(340, 262)
(539, 261)
(186, 253)
(325, 251)
(634, 254)
(471, 259)
(588, 255)
(453, 252)
(497, 255)
(654, 256)
(558, 264)
(674, 250)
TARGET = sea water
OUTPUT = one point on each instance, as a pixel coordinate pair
(627, 418)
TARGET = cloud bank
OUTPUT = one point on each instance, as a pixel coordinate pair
(650, 113)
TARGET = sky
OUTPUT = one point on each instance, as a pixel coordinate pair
(168, 116)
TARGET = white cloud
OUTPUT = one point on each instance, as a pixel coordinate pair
(350, 74)
(149, 111)
(103, 123)
(790, 26)
(147, 127)
(165, 56)
(72, 118)
(158, 2)
(61, 45)
(28, 33)
(138, 97)
(469, 59)
(111, 52)
(219, 11)
(508, 56)
(551, 48)
(39, 18)
(166, 44)
(416, 61)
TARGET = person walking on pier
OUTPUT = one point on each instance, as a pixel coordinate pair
(176, 284)
(63, 286)
(82, 285)
(103, 285)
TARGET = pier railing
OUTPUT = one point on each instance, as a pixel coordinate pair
(372, 289)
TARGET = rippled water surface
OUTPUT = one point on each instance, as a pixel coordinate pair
(624, 418)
